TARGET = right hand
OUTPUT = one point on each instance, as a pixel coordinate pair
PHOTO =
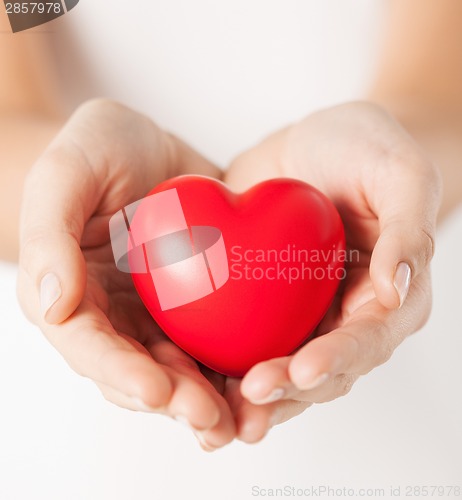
(104, 158)
(388, 194)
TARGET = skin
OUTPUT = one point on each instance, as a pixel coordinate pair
(30, 115)
(418, 81)
(388, 196)
(104, 158)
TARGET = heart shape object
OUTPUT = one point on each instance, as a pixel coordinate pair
(234, 279)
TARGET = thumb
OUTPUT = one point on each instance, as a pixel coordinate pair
(59, 196)
(407, 207)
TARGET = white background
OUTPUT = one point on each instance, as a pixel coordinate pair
(222, 75)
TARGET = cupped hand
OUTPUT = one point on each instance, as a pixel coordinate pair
(388, 194)
(104, 158)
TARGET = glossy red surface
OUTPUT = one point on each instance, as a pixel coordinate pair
(290, 237)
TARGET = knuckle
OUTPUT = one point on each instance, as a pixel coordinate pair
(419, 241)
(384, 345)
(421, 247)
(154, 393)
(97, 105)
(29, 248)
(386, 351)
(344, 384)
(340, 386)
(377, 348)
(103, 116)
(44, 240)
(423, 300)
(147, 393)
(428, 245)
(78, 368)
(32, 239)
(110, 395)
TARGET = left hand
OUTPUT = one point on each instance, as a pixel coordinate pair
(104, 158)
(388, 194)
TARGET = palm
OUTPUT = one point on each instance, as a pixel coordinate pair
(356, 289)
(106, 156)
(341, 154)
(116, 302)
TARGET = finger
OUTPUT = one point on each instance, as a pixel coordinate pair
(324, 388)
(406, 199)
(63, 190)
(225, 431)
(354, 348)
(192, 403)
(92, 348)
(59, 196)
(254, 421)
(367, 340)
(71, 180)
(267, 381)
(116, 397)
(274, 376)
(270, 381)
(185, 400)
(283, 411)
(191, 400)
(195, 400)
(332, 387)
(123, 401)
(222, 433)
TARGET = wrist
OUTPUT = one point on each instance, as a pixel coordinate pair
(437, 127)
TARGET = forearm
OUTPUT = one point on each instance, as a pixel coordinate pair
(419, 80)
(421, 58)
(31, 111)
(22, 138)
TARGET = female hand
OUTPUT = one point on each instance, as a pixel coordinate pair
(106, 157)
(388, 194)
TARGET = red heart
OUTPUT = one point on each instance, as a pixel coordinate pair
(234, 279)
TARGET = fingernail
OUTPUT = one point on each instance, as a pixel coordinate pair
(402, 281)
(202, 441)
(50, 292)
(275, 395)
(316, 382)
